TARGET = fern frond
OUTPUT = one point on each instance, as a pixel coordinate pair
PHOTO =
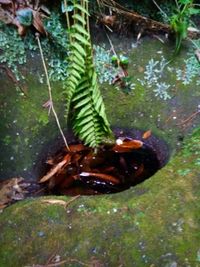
(89, 119)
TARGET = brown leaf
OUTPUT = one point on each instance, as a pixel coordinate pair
(5, 16)
(2, 206)
(76, 158)
(77, 148)
(37, 22)
(10, 190)
(108, 20)
(56, 169)
(54, 201)
(50, 161)
(60, 202)
(127, 146)
(100, 176)
(67, 182)
(22, 30)
(146, 134)
(44, 9)
(139, 171)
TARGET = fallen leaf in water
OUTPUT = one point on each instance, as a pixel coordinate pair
(77, 148)
(50, 161)
(128, 146)
(146, 134)
(139, 171)
(100, 176)
(56, 169)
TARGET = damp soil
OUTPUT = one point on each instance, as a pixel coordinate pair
(116, 166)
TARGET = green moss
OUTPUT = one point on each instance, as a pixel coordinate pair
(154, 223)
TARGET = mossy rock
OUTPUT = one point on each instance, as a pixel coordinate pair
(153, 224)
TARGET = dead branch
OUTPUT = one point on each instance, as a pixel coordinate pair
(145, 23)
(191, 117)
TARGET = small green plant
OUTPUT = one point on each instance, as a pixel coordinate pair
(120, 61)
(180, 21)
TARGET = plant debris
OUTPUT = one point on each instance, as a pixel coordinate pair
(59, 201)
(113, 168)
(146, 134)
(12, 190)
(15, 189)
(23, 14)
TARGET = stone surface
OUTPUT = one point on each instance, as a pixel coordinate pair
(155, 223)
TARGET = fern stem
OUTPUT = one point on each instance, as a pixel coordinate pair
(82, 13)
(50, 92)
(88, 23)
(67, 18)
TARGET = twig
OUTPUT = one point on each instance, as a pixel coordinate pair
(160, 9)
(67, 18)
(71, 200)
(56, 264)
(50, 93)
(51, 258)
(192, 116)
(114, 52)
(79, 262)
(87, 17)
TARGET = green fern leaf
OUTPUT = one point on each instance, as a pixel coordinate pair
(79, 18)
(83, 102)
(85, 120)
(80, 38)
(81, 8)
(80, 29)
(79, 49)
(79, 96)
(89, 120)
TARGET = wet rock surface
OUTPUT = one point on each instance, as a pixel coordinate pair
(153, 224)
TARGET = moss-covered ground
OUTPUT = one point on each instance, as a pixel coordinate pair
(153, 224)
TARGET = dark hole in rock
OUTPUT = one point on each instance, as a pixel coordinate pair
(112, 169)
